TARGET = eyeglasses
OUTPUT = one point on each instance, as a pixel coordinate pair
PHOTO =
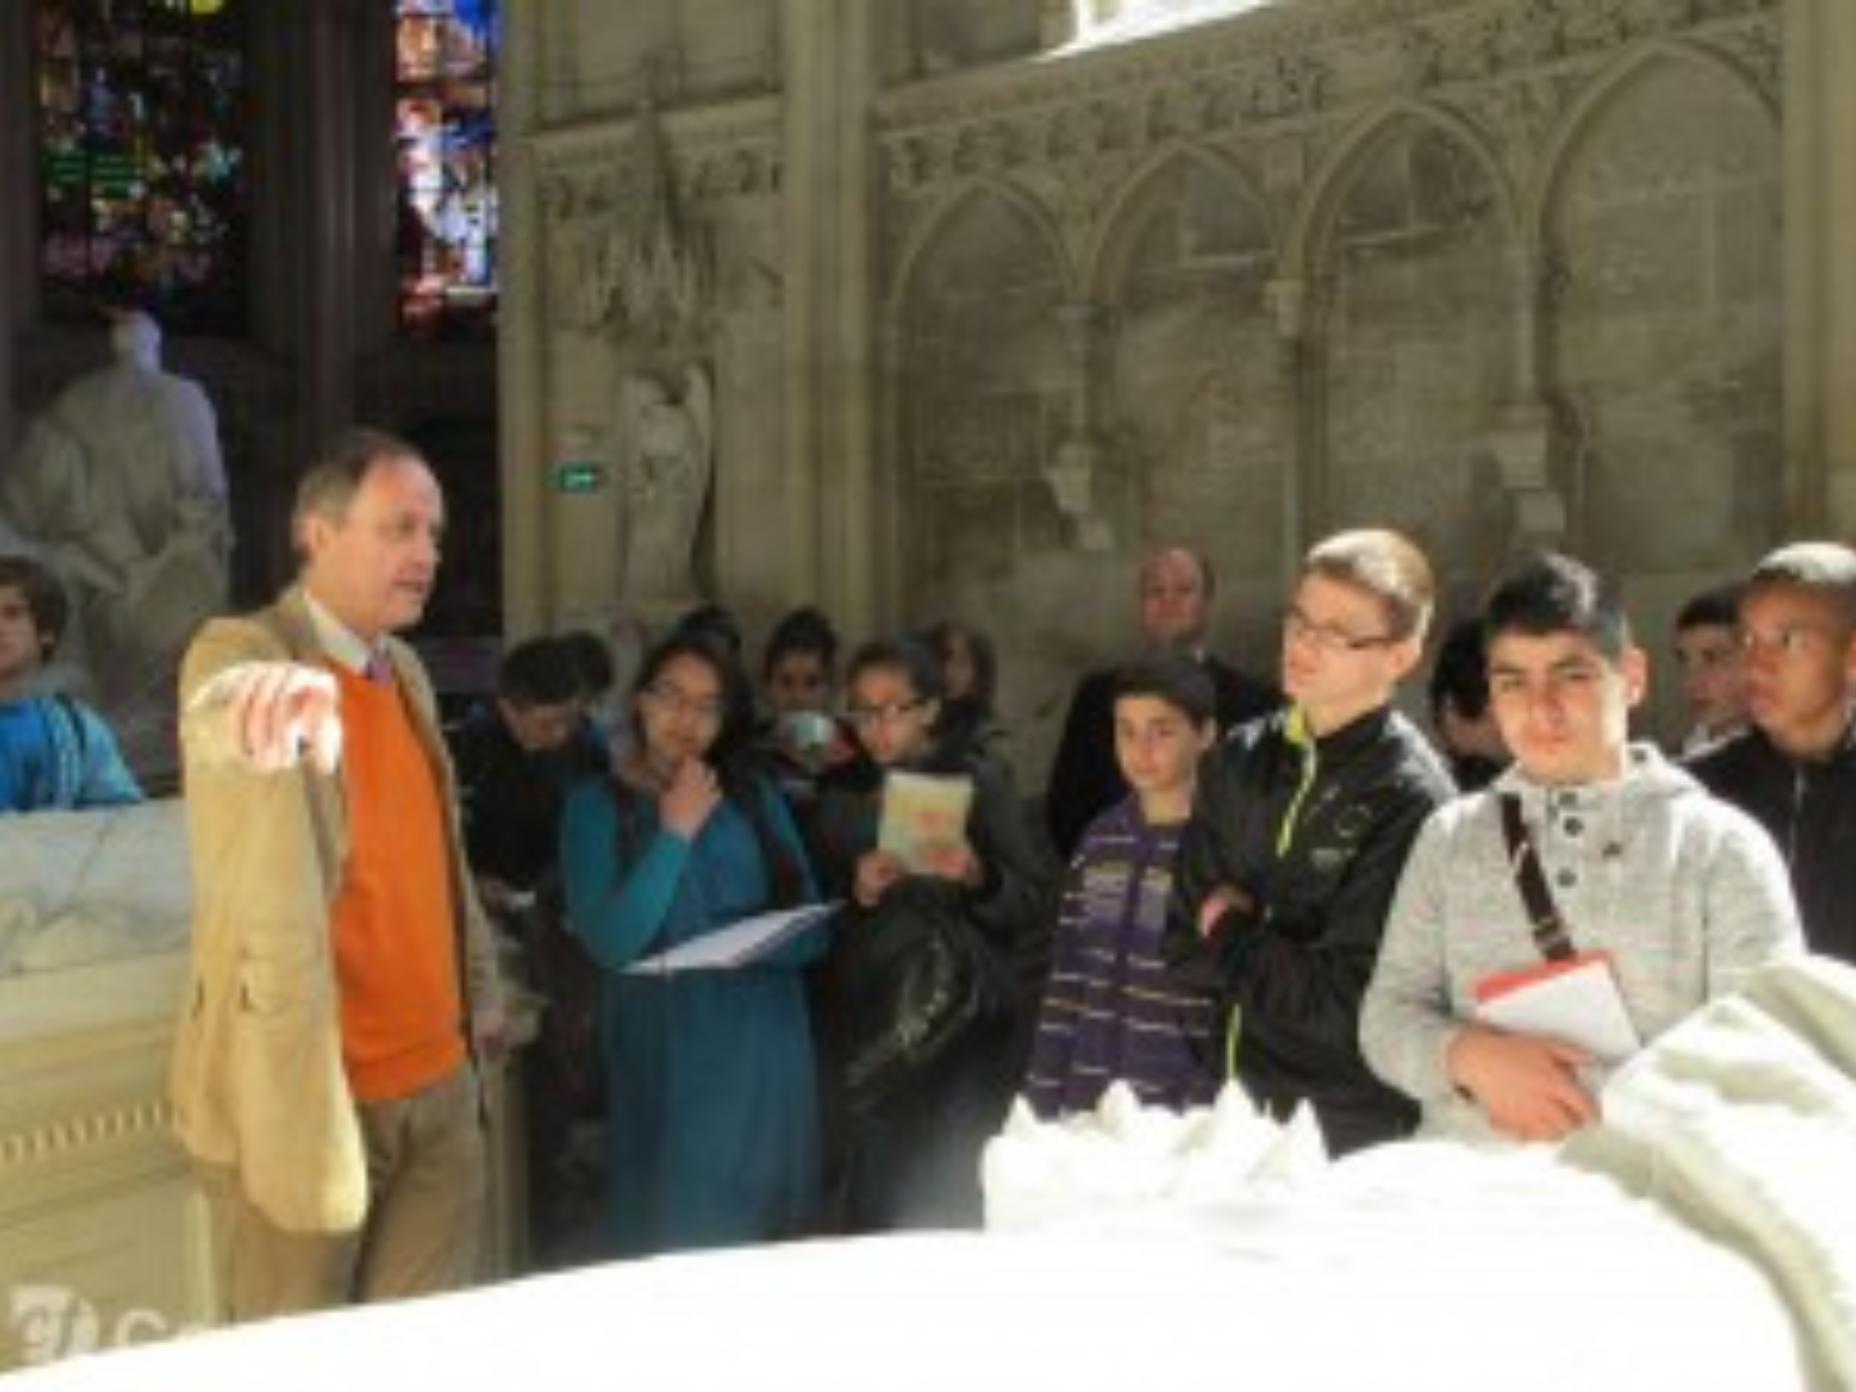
(1298, 627)
(1788, 640)
(868, 717)
(679, 702)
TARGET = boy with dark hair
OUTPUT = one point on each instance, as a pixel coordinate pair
(1713, 674)
(1177, 586)
(800, 665)
(54, 752)
(799, 671)
(1588, 845)
(1302, 823)
(515, 758)
(1460, 715)
(592, 659)
(1111, 1010)
(1795, 770)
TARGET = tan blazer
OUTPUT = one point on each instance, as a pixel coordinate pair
(257, 1080)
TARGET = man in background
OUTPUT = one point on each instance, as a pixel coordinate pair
(1713, 674)
(1177, 587)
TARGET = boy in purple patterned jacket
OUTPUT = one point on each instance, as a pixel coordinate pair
(1111, 1008)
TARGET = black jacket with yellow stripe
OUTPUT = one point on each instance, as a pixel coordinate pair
(1312, 833)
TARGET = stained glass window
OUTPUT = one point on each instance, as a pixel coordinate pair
(445, 135)
(141, 125)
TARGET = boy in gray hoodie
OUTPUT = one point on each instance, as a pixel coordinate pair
(1684, 894)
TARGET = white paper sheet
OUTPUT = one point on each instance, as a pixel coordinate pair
(1580, 1004)
(741, 943)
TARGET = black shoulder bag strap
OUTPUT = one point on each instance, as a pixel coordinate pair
(1549, 929)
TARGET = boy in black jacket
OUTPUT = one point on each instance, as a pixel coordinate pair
(1795, 769)
(1301, 827)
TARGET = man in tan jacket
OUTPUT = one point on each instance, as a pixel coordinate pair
(343, 984)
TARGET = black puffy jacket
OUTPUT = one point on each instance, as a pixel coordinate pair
(1809, 808)
(1315, 833)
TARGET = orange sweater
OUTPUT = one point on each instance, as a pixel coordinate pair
(395, 926)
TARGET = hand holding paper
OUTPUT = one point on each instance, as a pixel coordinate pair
(1576, 1000)
(876, 872)
(1536, 1028)
(1528, 1087)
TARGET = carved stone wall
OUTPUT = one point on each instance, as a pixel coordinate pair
(1498, 272)
(659, 253)
(1501, 272)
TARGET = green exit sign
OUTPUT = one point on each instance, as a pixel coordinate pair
(579, 476)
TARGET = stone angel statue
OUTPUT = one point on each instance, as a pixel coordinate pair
(665, 463)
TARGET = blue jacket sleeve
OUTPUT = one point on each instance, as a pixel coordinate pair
(618, 911)
(103, 779)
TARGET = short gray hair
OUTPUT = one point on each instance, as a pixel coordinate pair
(1827, 568)
(329, 484)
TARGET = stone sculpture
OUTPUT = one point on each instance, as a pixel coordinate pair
(665, 465)
(120, 486)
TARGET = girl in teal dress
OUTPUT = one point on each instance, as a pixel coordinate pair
(713, 1114)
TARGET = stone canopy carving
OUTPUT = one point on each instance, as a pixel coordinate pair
(647, 272)
(1289, 100)
(626, 214)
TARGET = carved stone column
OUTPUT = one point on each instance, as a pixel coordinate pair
(808, 33)
(323, 210)
(1522, 446)
(529, 592)
(1287, 299)
(1820, 269)
(1056, 23)
(848, 569)
(18, 257)
(1292, 303)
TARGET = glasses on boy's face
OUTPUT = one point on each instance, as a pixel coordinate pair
(673, 700)
(1326, 637)
(869, 717)
(1784, 640)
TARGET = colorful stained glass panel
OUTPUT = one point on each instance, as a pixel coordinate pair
(445, 140)
(141, 123)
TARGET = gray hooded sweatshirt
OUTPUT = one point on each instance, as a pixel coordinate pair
(1686, 893)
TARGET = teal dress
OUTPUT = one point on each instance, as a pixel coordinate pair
(713, 1119)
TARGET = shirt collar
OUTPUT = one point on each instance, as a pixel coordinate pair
(339, 641)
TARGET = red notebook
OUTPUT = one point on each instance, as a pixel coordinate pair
(1576, 999)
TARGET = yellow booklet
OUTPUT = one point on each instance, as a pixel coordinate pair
(921, 814)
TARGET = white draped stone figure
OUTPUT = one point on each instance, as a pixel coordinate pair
(665, 462)
(121, 488)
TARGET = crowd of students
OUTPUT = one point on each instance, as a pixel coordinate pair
(1297, 888)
